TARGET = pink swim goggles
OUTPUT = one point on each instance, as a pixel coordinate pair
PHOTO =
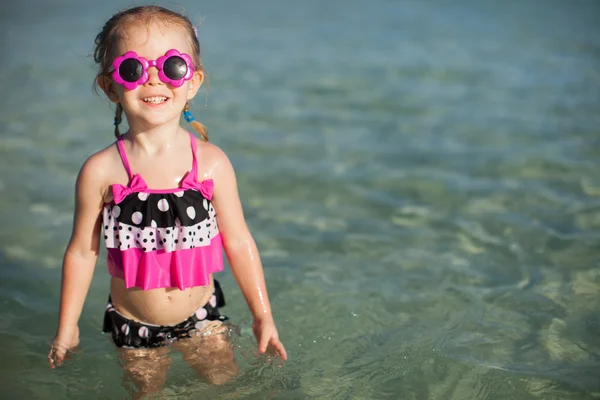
(131, 70)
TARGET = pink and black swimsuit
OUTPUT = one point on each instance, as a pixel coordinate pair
(161, 238)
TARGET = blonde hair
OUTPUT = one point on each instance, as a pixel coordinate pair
(109, 35)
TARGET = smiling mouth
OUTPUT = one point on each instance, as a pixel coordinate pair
(155, 99)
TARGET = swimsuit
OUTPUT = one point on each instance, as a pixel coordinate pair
(161, 239)
(129, 334)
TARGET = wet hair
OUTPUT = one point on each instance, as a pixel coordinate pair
(110, 35)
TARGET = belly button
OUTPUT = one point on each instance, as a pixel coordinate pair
(169, 297)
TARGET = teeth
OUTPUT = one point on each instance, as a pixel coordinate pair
(155, 99)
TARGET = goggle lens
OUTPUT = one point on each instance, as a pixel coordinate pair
(175, 68)
(131, 70)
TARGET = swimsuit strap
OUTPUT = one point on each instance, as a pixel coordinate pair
(194, 170)
(123, 155)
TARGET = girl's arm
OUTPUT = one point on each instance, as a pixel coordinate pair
(80, 258)
(243, 256)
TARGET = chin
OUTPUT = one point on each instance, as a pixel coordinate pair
(157, 121)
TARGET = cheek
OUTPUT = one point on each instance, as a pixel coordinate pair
(127, 96)
(112, 91)
(115, 97)
(192, 89)
(190, 92)
(117, 90)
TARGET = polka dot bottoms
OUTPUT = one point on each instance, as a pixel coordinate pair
(130, 334)
(162, 238)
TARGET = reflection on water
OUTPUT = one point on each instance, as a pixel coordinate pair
(421, 178)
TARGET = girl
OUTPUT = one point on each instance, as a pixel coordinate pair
(165, 205)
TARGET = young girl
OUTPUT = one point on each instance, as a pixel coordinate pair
(165, 205)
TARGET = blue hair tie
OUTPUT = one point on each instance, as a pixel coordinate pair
(116, 122)
(188, 116)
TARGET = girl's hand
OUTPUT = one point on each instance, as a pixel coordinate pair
(59, 348)
(266, 334)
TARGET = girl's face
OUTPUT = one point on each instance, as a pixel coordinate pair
(154, 103)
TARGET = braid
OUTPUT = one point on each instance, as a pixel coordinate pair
(118, 118)
(200, 128)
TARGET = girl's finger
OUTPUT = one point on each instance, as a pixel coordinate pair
(56, 356)
(278, 346)
(264, 342)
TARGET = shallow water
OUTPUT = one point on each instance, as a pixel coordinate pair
(422, 179)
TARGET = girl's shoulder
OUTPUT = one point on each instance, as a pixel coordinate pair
(213, 162)
(102, 166)
(104, 159)
(209, 153)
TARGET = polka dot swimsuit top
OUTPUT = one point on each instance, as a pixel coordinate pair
(162, 238)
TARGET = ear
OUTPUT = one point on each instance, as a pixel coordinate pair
(108, 87)
(195, 84)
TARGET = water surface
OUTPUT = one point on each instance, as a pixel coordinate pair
(422, 180)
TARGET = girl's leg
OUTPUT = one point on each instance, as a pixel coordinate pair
(146, 369)
(210, 353)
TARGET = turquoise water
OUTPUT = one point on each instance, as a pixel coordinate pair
(422, 179)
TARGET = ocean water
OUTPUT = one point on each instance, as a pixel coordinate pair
(422, 179)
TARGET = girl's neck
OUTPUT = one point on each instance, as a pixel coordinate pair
(153, 140)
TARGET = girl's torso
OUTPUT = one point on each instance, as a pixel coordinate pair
(161, 306)
(180, 224)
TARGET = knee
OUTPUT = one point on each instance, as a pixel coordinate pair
(145, 373)
(220, 373)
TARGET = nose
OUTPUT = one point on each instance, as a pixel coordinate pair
(153, 78)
